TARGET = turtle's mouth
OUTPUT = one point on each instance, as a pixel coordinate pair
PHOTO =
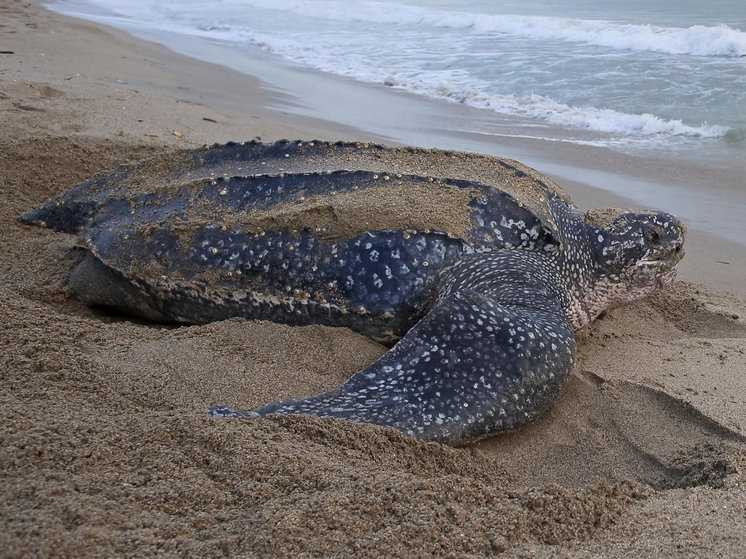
(661, 263)
(660, 271)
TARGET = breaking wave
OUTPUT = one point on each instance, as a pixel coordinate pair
(456, 88)
(590, 118)
(698, 40)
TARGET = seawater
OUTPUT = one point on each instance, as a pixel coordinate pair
(635, 75)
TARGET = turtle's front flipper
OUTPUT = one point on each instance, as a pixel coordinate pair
(471, 367)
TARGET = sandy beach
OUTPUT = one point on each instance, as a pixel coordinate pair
(105, 449)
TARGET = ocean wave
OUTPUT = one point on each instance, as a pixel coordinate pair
(698, 40)
(451, 86)
(543, 108)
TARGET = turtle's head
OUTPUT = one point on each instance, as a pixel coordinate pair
(636, 252)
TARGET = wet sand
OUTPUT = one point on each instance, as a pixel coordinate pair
(104, 444)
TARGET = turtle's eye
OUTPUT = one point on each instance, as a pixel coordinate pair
(653, 235)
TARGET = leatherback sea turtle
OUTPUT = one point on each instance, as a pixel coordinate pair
(480, 266)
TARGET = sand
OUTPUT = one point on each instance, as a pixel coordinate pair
(105, 449)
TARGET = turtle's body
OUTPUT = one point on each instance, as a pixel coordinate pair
(482, 265)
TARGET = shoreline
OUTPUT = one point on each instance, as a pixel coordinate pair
(104, 440)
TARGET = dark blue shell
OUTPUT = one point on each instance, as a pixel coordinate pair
(190, 251)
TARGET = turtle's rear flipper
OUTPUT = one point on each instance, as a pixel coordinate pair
(467, 369)
(98, 285)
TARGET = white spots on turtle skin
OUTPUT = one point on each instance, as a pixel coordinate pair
(510, 223)
(380, 271)
(455, 393)
(498, 221)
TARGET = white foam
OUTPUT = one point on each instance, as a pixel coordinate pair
(697, 40)
(590, 118)
(450, 86)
